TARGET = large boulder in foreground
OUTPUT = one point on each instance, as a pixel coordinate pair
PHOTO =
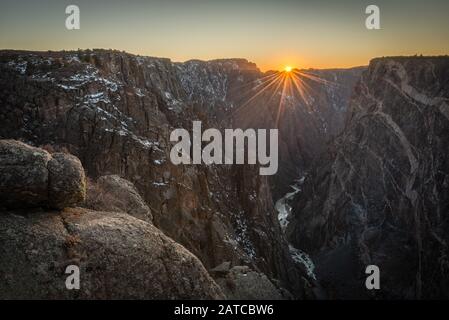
(31, 177)
(120, 257)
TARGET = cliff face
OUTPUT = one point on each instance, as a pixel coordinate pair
(115, 112)
(381, 194)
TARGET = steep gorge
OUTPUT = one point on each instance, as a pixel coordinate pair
(380, 195)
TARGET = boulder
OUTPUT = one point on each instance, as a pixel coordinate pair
(119, 256)
(67, 182)
(23, 174)
(31, 177)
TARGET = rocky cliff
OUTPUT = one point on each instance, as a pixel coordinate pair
(380, 196)
(115, 111)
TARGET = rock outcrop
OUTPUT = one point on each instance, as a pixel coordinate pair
(32, 177)
(119, 256)
(381, 196)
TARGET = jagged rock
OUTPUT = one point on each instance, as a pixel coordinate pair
(381, 195)
(119, 256)
(112, 193)
(31, 177)
(241, 283)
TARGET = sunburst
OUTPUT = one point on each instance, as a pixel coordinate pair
(288, 83)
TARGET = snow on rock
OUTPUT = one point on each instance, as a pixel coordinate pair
(20, 66)
(172, 102)
(96, 98)
(200, 80)
(87, 76)
(242, 236)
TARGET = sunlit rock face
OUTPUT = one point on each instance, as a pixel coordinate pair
(115, 112)
(381, 196)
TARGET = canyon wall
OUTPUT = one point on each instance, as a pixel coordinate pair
(380, 194)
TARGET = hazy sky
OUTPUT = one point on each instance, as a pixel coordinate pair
(320, 33)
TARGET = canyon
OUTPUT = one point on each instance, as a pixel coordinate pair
(362, 176)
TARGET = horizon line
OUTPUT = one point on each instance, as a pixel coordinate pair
(222, 58)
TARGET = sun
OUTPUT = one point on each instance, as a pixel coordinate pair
(288, 69)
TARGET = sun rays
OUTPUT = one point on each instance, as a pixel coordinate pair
(288, 88)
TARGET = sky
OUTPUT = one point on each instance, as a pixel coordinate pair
(273, 34)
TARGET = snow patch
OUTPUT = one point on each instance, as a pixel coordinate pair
(20, 66)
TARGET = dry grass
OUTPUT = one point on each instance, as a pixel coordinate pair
(50, 148)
